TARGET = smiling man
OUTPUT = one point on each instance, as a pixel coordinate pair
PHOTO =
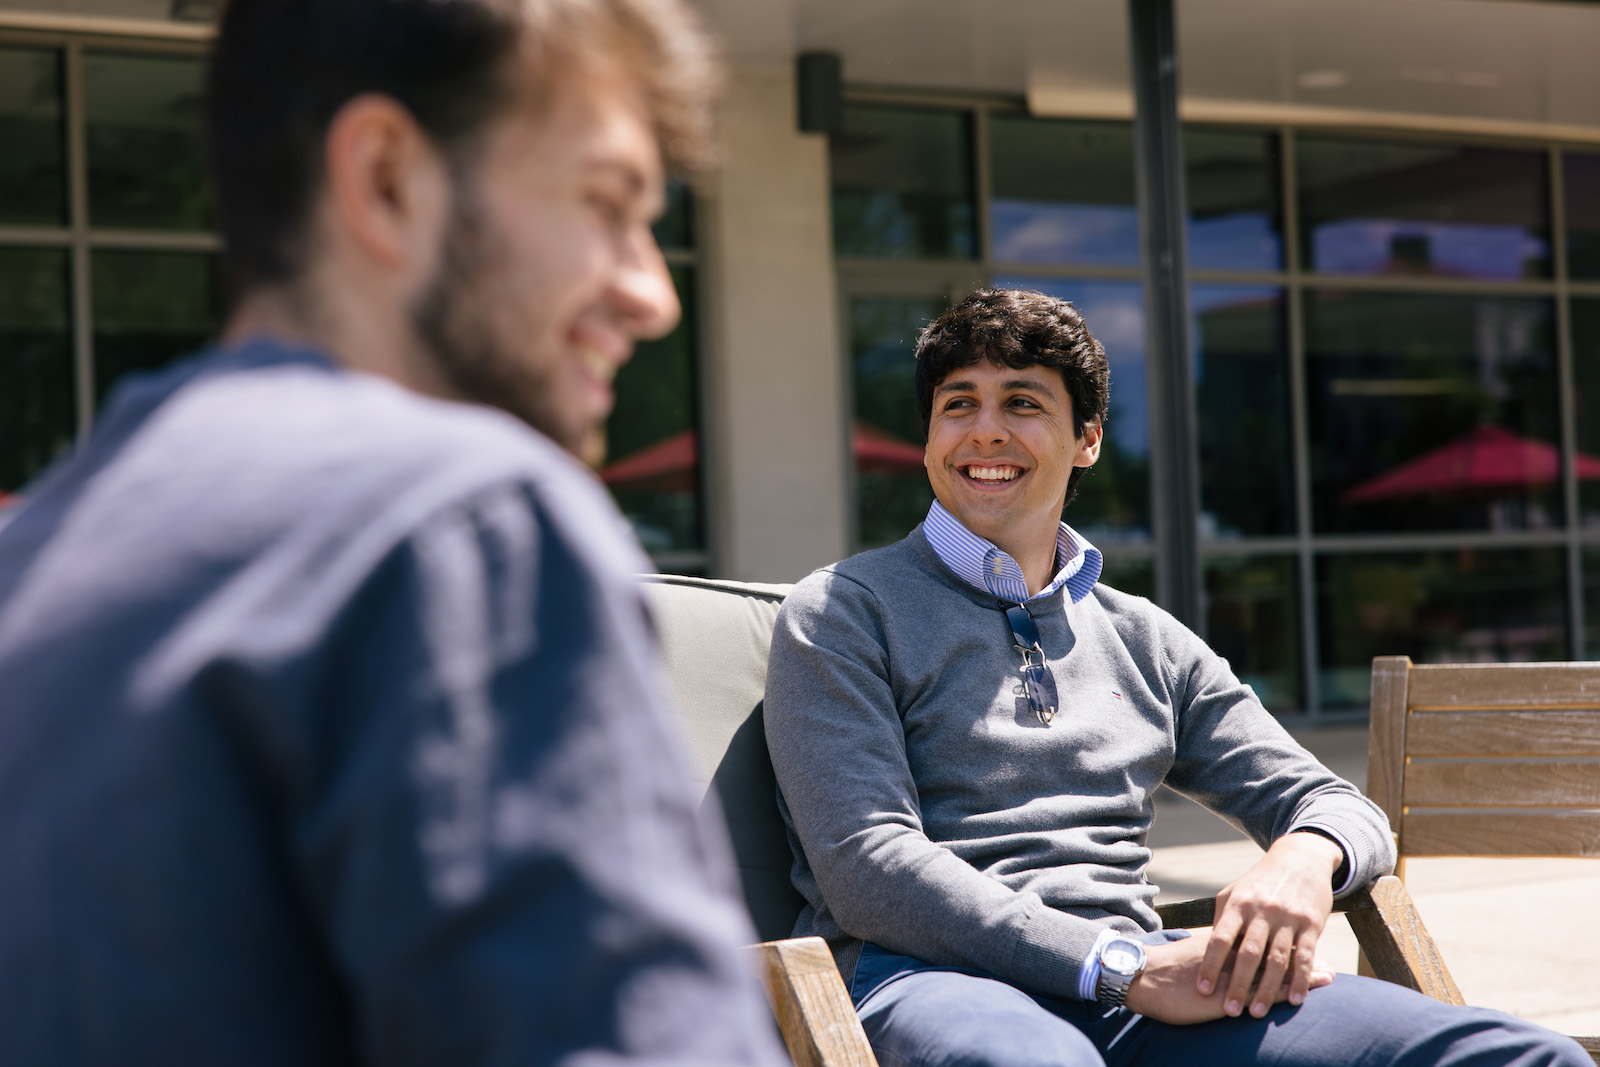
(332, 728)
(968, 728)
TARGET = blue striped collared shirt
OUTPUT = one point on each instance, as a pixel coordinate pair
(988, 568)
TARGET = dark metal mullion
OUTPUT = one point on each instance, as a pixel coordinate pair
(1158, 158)
(78, 224)
(1566, 399)
(982, 191)
(1300, 427)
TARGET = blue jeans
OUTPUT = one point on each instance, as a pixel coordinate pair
(919, 1015)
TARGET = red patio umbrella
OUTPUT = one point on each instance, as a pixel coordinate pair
(668, 466)
(1488, 458)
(878, 452)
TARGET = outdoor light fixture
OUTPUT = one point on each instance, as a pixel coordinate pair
(819, 89)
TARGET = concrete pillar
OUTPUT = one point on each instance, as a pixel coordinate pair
(774, 420)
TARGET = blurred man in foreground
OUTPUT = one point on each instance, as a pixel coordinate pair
(330, 724)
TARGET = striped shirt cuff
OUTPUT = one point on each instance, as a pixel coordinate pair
(1349, 865)
(1089, 975)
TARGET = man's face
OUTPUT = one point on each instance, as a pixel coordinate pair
(1001, 448)
(548, 271)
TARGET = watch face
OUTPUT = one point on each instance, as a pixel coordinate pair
(1122, 957)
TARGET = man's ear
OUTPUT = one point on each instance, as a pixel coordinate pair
(388, 187)
(1089, 445)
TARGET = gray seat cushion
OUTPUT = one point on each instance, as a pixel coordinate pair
(714, 640)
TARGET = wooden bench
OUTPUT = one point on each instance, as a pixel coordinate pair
(715, 636)
(1487, 760)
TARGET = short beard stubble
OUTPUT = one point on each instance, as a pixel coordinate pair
(456, 318)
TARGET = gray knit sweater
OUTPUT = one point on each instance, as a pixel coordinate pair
(931, 812)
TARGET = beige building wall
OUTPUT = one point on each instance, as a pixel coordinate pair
(774, 419)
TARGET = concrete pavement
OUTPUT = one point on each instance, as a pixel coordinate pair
(1510, 930)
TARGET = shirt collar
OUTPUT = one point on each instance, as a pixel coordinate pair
(986, 567)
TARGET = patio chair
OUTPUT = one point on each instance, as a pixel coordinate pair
(1487, 760)
(715, 636)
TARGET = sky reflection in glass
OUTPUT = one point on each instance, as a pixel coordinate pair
(1381, 207)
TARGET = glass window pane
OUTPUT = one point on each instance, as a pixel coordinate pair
(149, 309)
(1383, 207)
(36, 379)
(1580, 175)
(1113, 501)
(1448, 606)
(675, 227)
(1234, 214)
(1586, 387)
(902, 184)
(33, 161)
(892, 491)
(1242, 400)
(1591, 602)
(653, 438)
(1063, 192)
(1253, 621)
(143, 115)
(1431, 412)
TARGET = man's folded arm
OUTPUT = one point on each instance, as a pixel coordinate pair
(838, 749)
(1236, 758)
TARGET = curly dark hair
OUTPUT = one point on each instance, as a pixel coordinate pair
(1017, 328)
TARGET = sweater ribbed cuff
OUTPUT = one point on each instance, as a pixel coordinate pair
(1367, 859)
(1052, 952)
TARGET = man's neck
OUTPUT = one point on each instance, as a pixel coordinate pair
(1035, 553)
(378, 344)
(1037, 562)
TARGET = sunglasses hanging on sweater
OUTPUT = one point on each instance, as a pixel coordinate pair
(1037, 681)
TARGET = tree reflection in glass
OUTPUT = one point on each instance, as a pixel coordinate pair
(892, 492)
(1431, 412)
(1464, 605)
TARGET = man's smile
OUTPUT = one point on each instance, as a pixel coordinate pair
(993, 473)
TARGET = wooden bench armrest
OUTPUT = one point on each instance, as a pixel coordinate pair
(1383, 917)
(820, 1027)
(811, 1004)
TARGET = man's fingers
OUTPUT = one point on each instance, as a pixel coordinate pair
(1252, 947)
(1218, 947)
(1305, 966)
(1280, 957)
(1321, 972)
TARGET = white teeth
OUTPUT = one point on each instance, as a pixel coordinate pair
(992, 474)
(596, 363)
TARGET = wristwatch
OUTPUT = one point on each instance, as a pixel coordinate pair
(1121, 961)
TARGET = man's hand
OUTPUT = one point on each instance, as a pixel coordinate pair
(1268, 924)
(1168, 989)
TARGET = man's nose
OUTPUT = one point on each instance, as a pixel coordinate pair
(642, 292)
(988, 427)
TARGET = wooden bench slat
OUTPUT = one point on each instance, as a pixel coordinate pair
(1551, 832)
(1504, 685)
(1502, 783)
(1386, 736)
(1527, 733)
(808, 998)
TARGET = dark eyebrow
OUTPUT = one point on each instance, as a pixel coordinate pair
(1036, 384)
(954, 387)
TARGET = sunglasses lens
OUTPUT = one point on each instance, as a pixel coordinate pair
(1041, 689)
